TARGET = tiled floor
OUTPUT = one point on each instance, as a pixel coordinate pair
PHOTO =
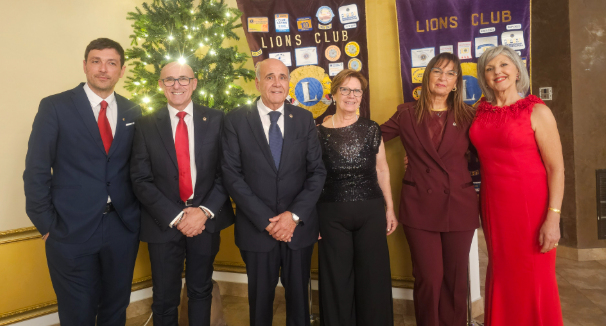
(582, 293)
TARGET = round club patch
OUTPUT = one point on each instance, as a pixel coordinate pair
(352, 49)
(355, 64)
(333, 53)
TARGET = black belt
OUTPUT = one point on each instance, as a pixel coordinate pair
(109, 208)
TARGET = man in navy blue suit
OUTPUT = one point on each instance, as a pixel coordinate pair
(176, 176)
(273, 170)
(79, 194)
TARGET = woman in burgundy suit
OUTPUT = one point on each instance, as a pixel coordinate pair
(439, 207)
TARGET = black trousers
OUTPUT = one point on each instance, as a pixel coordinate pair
(439, 265)
(93, 279)
(355, 276)
(167, 266)
(293, 268)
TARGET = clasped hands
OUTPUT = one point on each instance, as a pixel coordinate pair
(282, 227)
(193, 221)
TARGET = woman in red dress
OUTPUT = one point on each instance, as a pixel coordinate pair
(522, 172)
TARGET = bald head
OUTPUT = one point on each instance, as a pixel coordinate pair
(178, 82)
(272, 82)
(180, 69)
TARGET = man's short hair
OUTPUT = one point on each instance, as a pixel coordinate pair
(102, 44)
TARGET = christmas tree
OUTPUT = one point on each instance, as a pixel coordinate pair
(177, 30)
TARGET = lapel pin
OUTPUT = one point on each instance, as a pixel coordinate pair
(454, 124)
(123, 119)
(290, 115)
(204, 118)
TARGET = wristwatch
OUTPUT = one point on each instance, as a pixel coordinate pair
(208, 216)
(295, 218)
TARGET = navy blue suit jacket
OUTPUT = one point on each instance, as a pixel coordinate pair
(259, 189)
(155, 173)
(68, 175)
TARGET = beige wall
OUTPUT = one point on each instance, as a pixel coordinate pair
(43, 46)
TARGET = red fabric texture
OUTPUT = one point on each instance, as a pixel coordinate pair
(521, 287)
(104, 128)
(182, 149)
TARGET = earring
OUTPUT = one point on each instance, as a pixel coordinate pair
(518, 77)
(454, 89)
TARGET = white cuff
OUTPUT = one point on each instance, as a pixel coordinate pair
(212, 215)
(176, 219)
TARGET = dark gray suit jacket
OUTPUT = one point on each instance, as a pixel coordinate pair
(155, 173)
(259, 189)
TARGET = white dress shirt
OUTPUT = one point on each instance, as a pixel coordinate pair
(266, 121)
(111, 111)
(189, 122)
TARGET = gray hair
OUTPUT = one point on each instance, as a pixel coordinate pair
(258, 70)
(522, 85)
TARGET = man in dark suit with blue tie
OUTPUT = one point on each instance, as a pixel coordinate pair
(78, 191)
(272, 168)
(176, 176)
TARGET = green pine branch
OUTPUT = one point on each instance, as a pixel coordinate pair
(170, 30)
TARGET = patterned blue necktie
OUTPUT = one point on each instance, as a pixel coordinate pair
(275, 137)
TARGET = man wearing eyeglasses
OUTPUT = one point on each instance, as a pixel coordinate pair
(176, 176)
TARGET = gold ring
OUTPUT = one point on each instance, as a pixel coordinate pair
(555, 245)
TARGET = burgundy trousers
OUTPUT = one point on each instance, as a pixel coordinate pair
(439, 265)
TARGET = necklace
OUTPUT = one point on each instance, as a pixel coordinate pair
(441, 111)
(332, 118)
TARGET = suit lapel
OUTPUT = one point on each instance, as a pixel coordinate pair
(451, 134)
(423, 136)
(288, 132)
(122, 106)
(83, 107)
(166, 133)
(201, 125)
(254, 120)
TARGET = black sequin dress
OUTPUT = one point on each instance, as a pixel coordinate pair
(355, 276)
(350, 156)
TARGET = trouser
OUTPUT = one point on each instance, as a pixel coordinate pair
(92, 280)
(199, 253)
(439, 265)
(355, 276)
(263, 270)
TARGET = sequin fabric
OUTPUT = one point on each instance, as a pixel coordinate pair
(350, 157)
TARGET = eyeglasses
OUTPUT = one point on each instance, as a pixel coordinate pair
(346, 91)
(183, 81)
(437, 72)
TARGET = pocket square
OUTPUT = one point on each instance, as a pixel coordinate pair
(128, 124)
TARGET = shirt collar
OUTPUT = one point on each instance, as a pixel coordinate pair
(264, 110)
(189, 109)
(95, 99)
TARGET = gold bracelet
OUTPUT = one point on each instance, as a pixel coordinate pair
(555, 210)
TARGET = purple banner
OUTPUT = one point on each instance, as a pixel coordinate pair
(464, 27)
(315, 39)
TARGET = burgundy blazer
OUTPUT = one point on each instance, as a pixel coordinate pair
(437, 191)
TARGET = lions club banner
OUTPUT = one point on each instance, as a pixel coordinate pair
(315, 39)
(464, 27)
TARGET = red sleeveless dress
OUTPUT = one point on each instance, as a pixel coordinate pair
(521, 286)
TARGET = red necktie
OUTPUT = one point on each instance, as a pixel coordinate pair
(104, 128)
(182, 148)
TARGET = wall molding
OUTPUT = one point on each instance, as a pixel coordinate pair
(21, 234)
(581, 254)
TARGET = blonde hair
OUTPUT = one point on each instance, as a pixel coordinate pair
(522, 85)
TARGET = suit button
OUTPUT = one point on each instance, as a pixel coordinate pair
(108, 159)
(429, 191)
(109, 184)
(446, 191)
(428, 170)
(176, 178)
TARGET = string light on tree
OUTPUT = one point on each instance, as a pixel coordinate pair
(165, 30)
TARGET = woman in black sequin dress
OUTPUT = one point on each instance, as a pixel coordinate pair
(356, 214)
